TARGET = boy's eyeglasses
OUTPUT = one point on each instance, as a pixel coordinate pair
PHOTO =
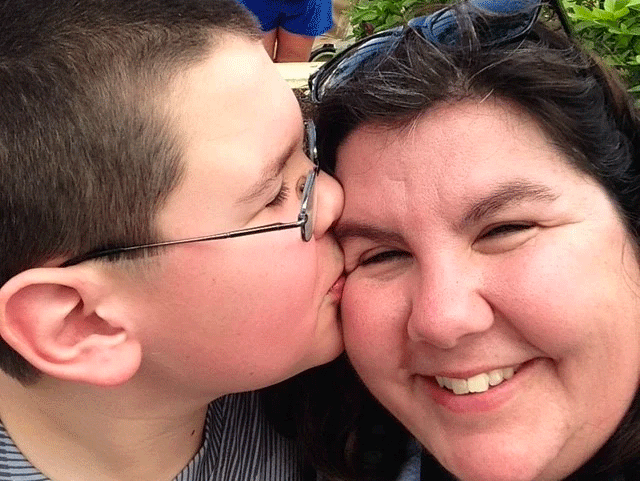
(306, 217)
(497, 22)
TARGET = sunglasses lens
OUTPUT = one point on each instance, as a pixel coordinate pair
(494, 23)
(364, 55)
(500, 32)
(441, 28)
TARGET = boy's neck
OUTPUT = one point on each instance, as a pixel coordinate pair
(72, 432)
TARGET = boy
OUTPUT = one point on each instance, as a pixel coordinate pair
(127, 123)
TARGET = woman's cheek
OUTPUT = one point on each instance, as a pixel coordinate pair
(356, 310)
(370, 320)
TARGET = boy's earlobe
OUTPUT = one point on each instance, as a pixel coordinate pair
(50, 316)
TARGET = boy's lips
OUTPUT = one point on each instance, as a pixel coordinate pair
(337, 287)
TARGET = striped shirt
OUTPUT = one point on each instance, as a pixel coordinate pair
(239, 444)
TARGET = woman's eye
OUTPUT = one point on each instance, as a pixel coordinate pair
(280, 198)
(504, 229)
(384, 256)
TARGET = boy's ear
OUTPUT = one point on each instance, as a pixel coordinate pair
(62, 321)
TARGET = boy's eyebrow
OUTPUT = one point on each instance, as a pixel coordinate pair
(504, 196)
(268, 174)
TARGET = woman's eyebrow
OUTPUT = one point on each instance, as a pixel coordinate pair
(503, 196)
(352, 230)
(506, 195)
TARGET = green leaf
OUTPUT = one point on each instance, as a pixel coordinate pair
(581, 13)
(583, 26)
(390, 8)
(623, 41)
(617, 30)
(602, 14)
(394, 20)
(367, 17)
(622, 12)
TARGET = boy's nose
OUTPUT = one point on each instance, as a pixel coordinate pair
(329, 203)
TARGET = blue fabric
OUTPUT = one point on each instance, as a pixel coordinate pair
(502, 6)
(411, 468)
(302, 17)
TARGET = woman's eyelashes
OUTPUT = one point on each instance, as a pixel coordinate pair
(505, 229)
(505, 238)
(499, 237)
(501, 233)
(384, 256)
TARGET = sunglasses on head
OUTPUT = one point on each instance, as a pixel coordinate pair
(497, 22)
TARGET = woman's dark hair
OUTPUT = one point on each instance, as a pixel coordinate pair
(347, 435)
(584, 110)
(582, 107)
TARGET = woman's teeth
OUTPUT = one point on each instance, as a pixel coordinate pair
(478, 383)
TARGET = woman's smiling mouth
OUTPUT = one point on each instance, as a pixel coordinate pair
(479, 383)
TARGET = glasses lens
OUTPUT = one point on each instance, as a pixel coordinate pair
(308, 210)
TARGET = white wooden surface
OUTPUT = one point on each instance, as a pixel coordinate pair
(297, 73)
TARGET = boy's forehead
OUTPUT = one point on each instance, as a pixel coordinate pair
(236, 91)
(236, 118)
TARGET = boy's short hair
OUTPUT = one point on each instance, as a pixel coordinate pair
(88, 154)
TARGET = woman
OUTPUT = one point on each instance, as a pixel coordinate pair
(491, 235)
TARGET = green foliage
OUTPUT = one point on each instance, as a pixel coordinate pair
(371, 16)
(609, 27)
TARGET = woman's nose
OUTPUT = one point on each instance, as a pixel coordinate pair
(448, 305)
(329, 203)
